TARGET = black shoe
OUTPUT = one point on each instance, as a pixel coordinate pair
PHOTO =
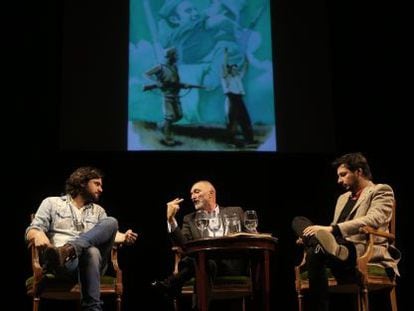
(164, 289)
(251, 143)
(329, 244)
(170, 142)
(235, 143)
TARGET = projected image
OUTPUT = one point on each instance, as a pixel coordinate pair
(201, 76)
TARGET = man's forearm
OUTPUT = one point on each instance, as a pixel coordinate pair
(31, 234)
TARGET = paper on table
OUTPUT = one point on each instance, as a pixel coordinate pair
(262, 235)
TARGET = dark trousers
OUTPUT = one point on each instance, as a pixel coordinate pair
(239, 116)
(317, 262)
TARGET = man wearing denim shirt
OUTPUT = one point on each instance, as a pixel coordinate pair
(75, 235)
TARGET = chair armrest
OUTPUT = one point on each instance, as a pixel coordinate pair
(36, 267)
(363, 260)
(297, 268)
(303, 261)
(178, 254)
(370, 230)
(114, 256)
(117, 269)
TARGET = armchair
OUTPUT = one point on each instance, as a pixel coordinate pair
(224, 287)
(373, 277)
(49, 286)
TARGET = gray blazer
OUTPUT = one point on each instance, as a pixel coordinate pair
(373, 208)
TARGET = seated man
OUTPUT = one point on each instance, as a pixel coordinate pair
(203, 195)
(75, 236)
(337, 246)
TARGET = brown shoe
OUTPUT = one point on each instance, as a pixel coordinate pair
(56, 257)
(66, 253)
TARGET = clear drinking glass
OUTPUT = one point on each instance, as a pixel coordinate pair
(251, 221)
(214, 223)
(201, 221)
(231, 224)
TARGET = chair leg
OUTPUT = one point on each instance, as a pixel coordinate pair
(365, 300)
(393, 299)
(118, 303)
(300, 301)
(36, 302)
(175, 303)
(358, 301)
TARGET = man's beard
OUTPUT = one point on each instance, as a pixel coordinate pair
(199, 205)
(88, 196)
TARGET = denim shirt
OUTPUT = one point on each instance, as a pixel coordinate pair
(56, 217)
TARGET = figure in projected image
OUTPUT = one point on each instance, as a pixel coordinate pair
(192, 32)
(237, 114)
(167, 80)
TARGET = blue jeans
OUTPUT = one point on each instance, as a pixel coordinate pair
(93, 249)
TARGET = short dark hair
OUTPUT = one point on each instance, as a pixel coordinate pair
(79, 178)
(170, 52)
(354, 161)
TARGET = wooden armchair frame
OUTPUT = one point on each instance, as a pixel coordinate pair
(373, 277)
(223, 288)
(48, 286)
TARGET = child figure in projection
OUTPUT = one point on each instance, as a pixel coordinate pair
(237, 114)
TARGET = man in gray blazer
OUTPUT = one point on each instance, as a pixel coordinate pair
(203, 196)
(338, 245)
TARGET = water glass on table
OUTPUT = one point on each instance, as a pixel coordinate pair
(201, 221)
(250, 221)
(231, 224)
(214, 223)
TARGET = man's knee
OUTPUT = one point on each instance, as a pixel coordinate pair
(111, 223)
(92, 255)
(299, 223)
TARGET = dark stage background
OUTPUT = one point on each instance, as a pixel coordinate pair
(339, 59)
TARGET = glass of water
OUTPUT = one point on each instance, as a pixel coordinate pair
(201, 221)
(250, 221)
(231, 224)
(214, 223)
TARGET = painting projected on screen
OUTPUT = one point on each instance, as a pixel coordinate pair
(201, 76)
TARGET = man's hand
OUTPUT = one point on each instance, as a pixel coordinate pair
(311, 230)
(128, 238)
(172, 209)
(38, 238)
